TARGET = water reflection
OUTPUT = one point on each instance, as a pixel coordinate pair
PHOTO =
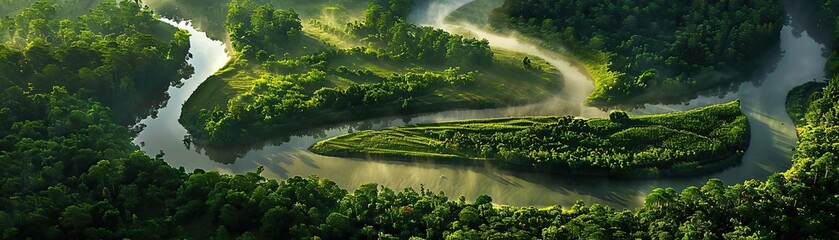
(810, 18)
(773, 134)
(162, 132)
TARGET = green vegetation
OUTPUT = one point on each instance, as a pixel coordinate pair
(299, 77)
(70, 172)
(474, 13)
(682, 143)
(383, 26)
(95, 56)
(643, 51)
(209, 15)
(68, 9)
(258, 30)
(799, 99)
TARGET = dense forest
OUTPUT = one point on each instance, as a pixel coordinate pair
(798, 100)
(691, 142)
(120, 55)
(384, 25)
(254, 28)
(210, 15)
(391, 67)
(257, 30)
(654, 50)
(70, 171)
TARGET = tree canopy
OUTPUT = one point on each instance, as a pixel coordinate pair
(298, 84)
(658, 48)
(117, 54)
(683, 143)
(70, 171)
(259, 30)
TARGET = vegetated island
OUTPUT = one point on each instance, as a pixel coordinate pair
(71, 171)
(673, 144)
(291, 72)
(649, 51)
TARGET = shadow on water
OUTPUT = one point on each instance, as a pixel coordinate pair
(812, 19)
(209, 17)
(773, 134)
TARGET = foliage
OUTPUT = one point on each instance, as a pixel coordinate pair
(71, 172)
(259, 30)
(799, 99)
(276, 101)
(384, 26)
(660, 48)
(68, 9)
(209, 15)
(108, 54)
(403, 69)
(618, 116)
(65, 156)
(105, 201)
(620, 146)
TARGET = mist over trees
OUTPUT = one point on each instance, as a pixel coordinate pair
(655, 47)
(259, 30)
(117, 54)
(70, 171)
(384, 25)
(296, 89)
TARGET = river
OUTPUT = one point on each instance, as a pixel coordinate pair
(773, 133)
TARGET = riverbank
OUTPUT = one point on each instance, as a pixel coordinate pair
(631, 72)
(799, 98)
(475, 19)
(330, 76)
(773, 136)
(675, 144)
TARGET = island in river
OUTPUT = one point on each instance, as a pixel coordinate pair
(70, 171)
(297, 71)
(294, 72)
(674, 144)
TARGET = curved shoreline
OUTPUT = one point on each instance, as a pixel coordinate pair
(639, 173)
(423, 142)
(769, 152)
(544, 81)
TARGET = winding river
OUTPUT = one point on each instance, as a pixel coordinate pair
(773, 133)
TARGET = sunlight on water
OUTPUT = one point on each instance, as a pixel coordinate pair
(163, 132)
(773, 134)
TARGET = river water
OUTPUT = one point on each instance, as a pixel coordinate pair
(773, 134)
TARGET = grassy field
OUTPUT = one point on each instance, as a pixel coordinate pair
(698, 140)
